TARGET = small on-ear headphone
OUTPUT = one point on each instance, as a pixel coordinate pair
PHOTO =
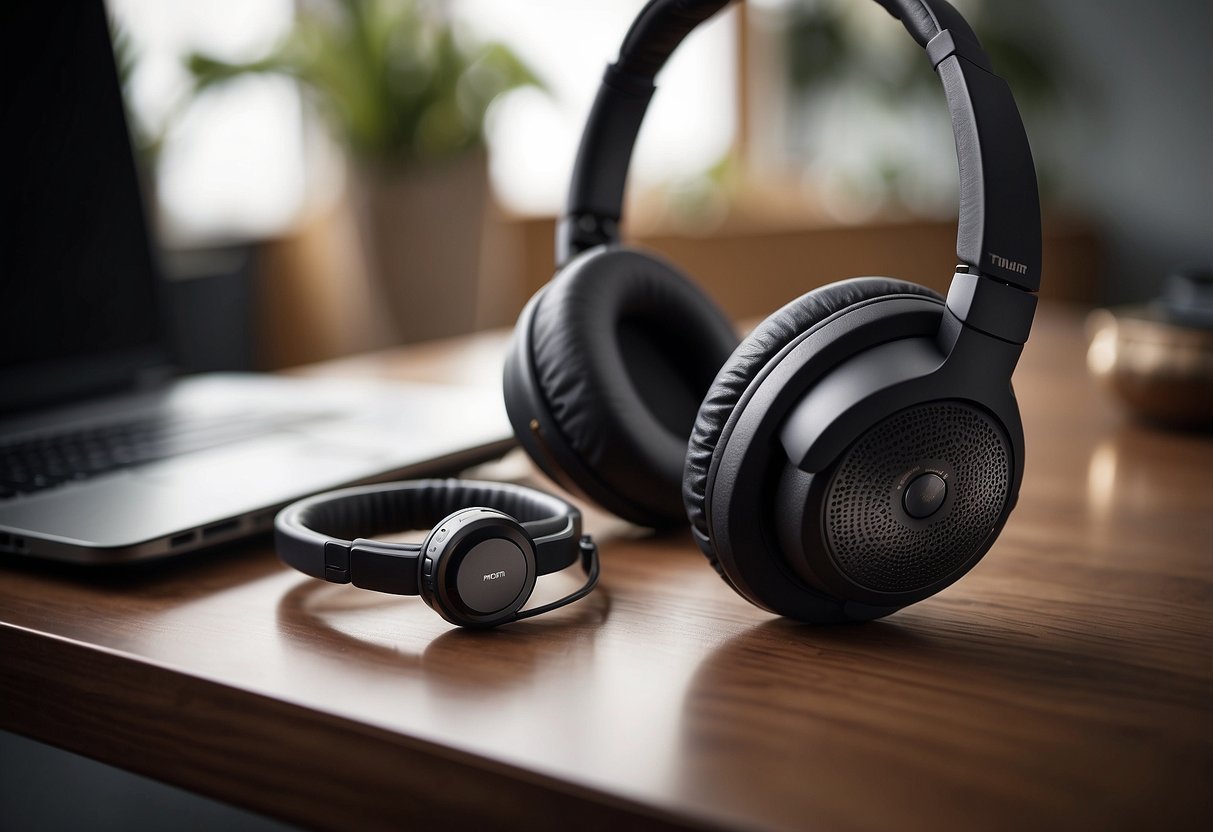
(476, 567)
(862, 448)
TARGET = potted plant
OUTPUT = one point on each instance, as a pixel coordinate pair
(406, 95)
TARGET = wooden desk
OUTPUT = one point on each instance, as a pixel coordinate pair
(1066, 683)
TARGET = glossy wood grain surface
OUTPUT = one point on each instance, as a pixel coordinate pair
(1066, 683)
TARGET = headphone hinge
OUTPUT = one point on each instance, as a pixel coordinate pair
(991, 306)
(945, 45)
(336, 562)
(581, 232)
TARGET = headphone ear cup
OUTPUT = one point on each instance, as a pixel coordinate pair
(766, 341)
(609, 368)
(477, 567)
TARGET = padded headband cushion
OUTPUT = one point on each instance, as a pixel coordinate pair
(624, 347)
(768, 338)
(367, 511)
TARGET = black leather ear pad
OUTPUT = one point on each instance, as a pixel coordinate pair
(767, 339)
(624, 348)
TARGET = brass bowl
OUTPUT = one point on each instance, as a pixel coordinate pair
(1161, 370)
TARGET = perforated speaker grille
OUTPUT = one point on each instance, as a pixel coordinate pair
(870, 537)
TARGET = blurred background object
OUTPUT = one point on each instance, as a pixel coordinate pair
(1157, 358)
(860, 115)
(406, 100)
(344, 145)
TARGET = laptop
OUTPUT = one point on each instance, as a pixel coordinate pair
(105, 457)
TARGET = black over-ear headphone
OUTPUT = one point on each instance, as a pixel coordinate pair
(476, 567)
(862, 448)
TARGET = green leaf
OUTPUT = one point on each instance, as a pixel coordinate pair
(391, 77)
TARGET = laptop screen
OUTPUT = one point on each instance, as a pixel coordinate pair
(78, 294)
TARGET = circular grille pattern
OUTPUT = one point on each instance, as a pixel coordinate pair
(872, 540)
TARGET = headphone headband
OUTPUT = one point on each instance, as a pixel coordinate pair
(322, 536)
(998, 234)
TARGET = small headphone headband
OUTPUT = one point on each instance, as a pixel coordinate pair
(322, 536)
(998, 233)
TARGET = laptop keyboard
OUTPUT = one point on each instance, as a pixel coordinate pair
(42, 462)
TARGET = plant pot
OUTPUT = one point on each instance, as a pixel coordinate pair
(422, 228)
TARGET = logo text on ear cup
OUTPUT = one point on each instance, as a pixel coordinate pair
(492, 576)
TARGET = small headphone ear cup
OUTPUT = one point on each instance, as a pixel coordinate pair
(767, 339)
(622, 347)
(477, 567)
